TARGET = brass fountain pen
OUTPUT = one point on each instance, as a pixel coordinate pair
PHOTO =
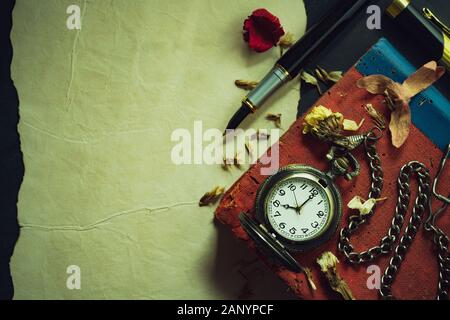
(292, 62)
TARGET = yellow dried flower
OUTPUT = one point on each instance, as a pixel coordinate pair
(316, 115)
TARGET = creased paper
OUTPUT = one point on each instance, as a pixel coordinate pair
(98, 106)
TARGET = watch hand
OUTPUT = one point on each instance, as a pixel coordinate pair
(286, 206)
(301, 206)
(296, 202)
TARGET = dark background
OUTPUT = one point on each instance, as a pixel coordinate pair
(340, 54)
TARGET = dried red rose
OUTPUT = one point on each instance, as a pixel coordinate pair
(262, 30)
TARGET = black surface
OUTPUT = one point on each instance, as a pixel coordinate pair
(11, 165)
(318, 36)
(341, 53)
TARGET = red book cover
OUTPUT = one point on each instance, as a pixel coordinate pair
(418, 274)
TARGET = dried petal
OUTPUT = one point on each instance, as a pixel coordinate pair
(275, 118)
(424, 77)
(335, 76)
(309, 277)
(309, 78)
(363, 206)
(375, 84)
(399, 125)
(321, 74)
(246, 84)
(332, 76)
(211, 196)
(350, 125)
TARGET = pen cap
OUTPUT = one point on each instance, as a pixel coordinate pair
(431, 37)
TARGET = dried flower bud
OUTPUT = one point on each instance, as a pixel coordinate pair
(246, 84)
(211, 196)
(275, 118)
(328, 265)
(377, 118)
(286, 42)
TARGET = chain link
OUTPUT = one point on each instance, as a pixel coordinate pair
(386, 244)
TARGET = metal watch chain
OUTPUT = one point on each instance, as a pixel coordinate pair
(422, 203)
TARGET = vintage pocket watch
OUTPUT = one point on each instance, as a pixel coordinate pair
(299, 208)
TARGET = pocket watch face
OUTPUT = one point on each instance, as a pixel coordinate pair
(298, 208)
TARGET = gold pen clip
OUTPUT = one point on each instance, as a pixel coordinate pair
(427, 13)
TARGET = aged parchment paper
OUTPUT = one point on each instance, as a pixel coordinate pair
(98, 106)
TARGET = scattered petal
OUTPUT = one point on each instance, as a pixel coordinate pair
(350, 125)
(363, 206)
(211, 196)
(375, 84)
(399, 125)
(335, 76)
(275, 118)
(324, 76)
(424, 77)
(245, 84)
(309, 78)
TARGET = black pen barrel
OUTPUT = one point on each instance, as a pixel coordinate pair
(318, 36)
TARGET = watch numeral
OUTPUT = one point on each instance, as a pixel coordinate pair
(282, 225)
(276, 203)
(320, 214)
(303, 186)
(305, 230)
(282, 192)
(314, 224)
(320, 202)
(292, 231)
(314, 191)
(277, 214)
(292, 187)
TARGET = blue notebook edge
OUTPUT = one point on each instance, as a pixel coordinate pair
(430, 110)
